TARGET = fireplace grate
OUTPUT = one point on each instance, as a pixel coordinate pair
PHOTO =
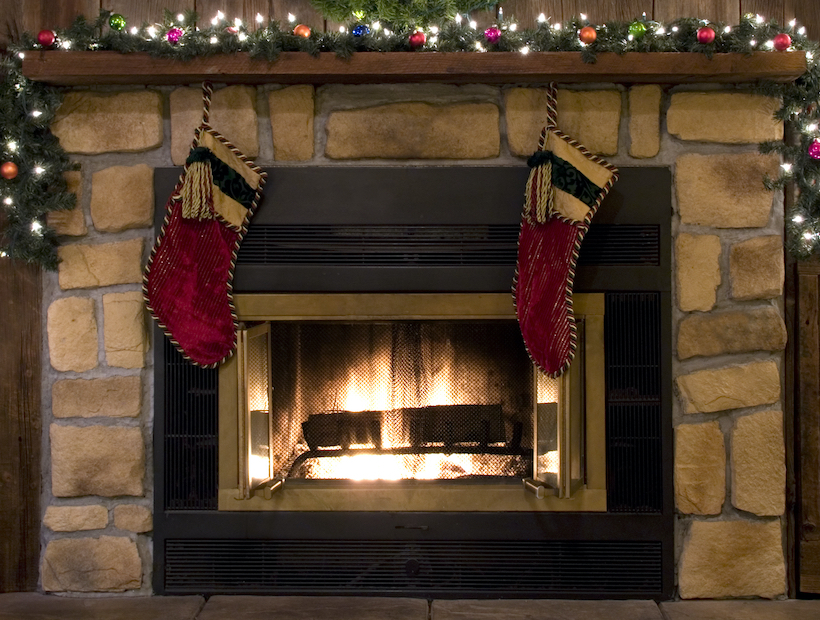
(442, 246)
(454, 568)
(191, 419)
(634, 412)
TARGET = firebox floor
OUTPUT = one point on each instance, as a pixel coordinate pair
(32, 606)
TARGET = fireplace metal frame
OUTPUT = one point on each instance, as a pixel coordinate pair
(627, 552)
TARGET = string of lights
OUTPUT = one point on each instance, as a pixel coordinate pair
(32, 164)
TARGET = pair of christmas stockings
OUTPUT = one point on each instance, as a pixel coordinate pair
(566, 186)
(188, 281)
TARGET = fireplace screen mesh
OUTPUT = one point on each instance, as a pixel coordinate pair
(399, 400)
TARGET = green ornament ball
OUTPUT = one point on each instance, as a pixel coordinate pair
(637, 29)
(116, 21)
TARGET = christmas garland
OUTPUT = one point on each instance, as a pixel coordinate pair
(32, 163)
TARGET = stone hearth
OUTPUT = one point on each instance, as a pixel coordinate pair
(728, 288)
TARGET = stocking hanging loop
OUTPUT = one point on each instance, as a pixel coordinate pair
(207, 93)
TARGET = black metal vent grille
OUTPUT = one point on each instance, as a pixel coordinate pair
(191, 434)
(443, 246)
(633, 402)
(494, 568)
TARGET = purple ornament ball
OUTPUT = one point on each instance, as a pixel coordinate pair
(814, 149)
(492, 34)
(174, 35)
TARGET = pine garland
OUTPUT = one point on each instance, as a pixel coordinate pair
(27, 108)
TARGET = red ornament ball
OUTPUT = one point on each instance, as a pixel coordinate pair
(46, 38)
(417, 39)
(814, 149)
(301, 31)
(492, 34)
(587, 35)
(706, 35)
(8, 170)
(782, 42)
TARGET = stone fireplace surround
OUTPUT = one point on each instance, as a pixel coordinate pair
(727, 316)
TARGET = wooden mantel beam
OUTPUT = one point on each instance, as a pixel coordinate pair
(112, 68)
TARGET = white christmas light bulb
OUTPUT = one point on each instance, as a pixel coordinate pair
(525, 50)
(237, 22)
(801, 31)
(3, 254)
(342, 29)
(752, 42)
(759, 19)
(513, 27)
(787, 167)
(21, 55)
(39, 170)
(259, 18)
(798, 219)
(181, 18)
(583, 16)
(214, 40)
(152, 32)
(630, 38)
(376, 25)
(807, 235)
(214, 21)
(434, 29)
(500, 13)
(793, 23)
(12, 146)
(135, 30)
(8, 201)
(812, 127)
(661, 30)
(727, 30)
(458, 18)
(674, 28)
(769, 45)
(556, 26)
(242, 36)
(220, 15)
(66, 45)
(36, 114)
(473, 24)
(542, 18)
(387, 32)
(809, 56)
(291, 17)
(36, 226)
(478, 46)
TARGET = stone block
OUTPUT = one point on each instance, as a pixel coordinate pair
(731, 559)
(733, 118)
(759, 464)
(750, 385)
(133, 518)
(97, 460)
(126, 338)
(70, 223)
(756, 268)
(415, 130)
(291, 121)
(725, 191)
(91, 123)
(645, 120)
(697, 271)
(75, 518)
(591, 117)
(114, 397)
(31, 605)
(313, 607)
(700, 468)
(104, 564)
(233, 114)
(757, 329)
(741, 610)
(544, 610)
(106, 264)
(122, 197)
(72, 334)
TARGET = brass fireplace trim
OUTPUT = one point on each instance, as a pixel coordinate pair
(452, 496)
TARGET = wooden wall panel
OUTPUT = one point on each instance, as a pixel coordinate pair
(770, 9)
(807, 12)
(11, 21)
(20, 426)
(245, 10)
(526, 12)
(41, 14)
(137, 12)
(717, 10)
(611, 10)
(302, 9)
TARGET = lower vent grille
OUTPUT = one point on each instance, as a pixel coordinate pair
(494, 568)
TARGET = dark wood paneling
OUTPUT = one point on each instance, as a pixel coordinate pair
(20, 426)
(807, 12)
(716, 10)
(302, 9)
(11, 21)
(41, 14)
(245, 10)
(770, 9)
(612, 10)
(137, 12)
(526, 12)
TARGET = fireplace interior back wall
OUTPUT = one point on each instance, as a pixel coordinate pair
(305, 240)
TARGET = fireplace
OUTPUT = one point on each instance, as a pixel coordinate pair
(399, 312)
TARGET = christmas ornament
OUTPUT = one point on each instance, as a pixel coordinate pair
(587, 35)
(46, 38)
(174, 35)
(189, 277)
(232, 30)
(782, 42)
(492, 34)
(8, 170)
(302, 31)
(360, 30)
(706, 35)
(116, 22)
(417, 39)
(565, 188)
(814, 149)
(637, 29)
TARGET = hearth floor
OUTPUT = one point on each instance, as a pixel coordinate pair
(32, 606)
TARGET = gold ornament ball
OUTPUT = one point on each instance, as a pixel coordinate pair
(302, 31)
(8, 170)
(587, 35)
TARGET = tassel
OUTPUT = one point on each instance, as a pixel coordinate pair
(197, 191)
(539, 191)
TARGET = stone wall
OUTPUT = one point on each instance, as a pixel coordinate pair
(728, 283)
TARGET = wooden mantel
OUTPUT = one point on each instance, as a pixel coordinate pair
(112, 68)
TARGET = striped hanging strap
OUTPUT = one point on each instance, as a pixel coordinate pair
(539, 192)
(197, 186)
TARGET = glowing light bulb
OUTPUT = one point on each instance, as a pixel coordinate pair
(291, 17)
(674, 28)
(376, 25)
(661, 30)
(458, 18)
(787, 167)
(513, 27)
(727, 30)
(434, 29)
(66, 45)
(181, 18)
(792, 23)
(259, 18)
(21, 55)
(220, 15)
(387, 32)
(242, 36)
(525, 50)
(214, 40)
(801, 31)
(342, 29)
(500, 12)
(237, 22)
(39, 170)
(583, 16)
(36, 226)
(752, 43)
(556, 26)
(3, 254)
(8, 201)
(134, 30)
(798, 219)
(769, 45)
(807, 235)
(809, 56)
(479, 47)
(473, 24)
(542, 18)
(811, 127)
(152, 32)
(12, 146)
(36, 113)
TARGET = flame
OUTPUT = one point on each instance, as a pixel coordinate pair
(259, 467)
